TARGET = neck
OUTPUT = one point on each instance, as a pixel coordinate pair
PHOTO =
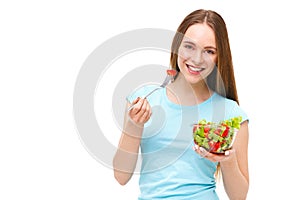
(185, 93)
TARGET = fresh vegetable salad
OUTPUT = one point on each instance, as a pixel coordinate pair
(216, 137)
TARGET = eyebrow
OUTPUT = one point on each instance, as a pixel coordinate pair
(192, 43)
(189, 42)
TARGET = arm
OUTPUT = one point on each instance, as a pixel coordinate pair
(235, 168)
(126, 156)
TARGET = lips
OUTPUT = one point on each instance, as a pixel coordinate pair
(194, 70)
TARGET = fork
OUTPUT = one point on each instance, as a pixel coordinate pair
(164, 84)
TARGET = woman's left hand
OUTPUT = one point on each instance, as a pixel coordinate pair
(212, 156)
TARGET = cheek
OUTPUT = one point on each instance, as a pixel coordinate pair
(184, 53)
(211, 61)
(180, 62)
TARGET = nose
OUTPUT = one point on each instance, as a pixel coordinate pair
(197, 58)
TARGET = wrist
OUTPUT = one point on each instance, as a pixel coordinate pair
(230, 161)
(133, 129)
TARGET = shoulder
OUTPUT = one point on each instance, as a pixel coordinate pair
(233, 109)
(217, 98)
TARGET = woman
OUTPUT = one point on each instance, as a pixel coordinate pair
(160, 126)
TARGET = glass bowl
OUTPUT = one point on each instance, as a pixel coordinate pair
(215, 138)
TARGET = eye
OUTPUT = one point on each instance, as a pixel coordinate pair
(188, 46)
(208, 51)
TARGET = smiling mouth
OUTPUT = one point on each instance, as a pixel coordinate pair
(194, 70)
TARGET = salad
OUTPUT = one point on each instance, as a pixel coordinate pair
(216, 137)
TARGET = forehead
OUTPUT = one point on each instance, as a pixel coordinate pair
(201, 34)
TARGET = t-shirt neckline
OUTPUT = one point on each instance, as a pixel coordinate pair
(174, 105)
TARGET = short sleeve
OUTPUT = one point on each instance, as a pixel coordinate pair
(238, 111)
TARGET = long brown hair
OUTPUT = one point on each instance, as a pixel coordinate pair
(224, 83)
(224, 64)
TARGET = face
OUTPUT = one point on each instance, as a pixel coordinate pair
(197, 54)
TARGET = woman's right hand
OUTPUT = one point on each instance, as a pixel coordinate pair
(141, 112)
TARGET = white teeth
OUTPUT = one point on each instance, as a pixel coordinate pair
(195, 69)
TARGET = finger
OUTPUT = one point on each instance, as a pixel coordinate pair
(144, 112)
(137, 111)
(136, 100)
(203, 152)
(229, 152)
(200, 150)
(149, 112)
(195, 147)
(137, 106)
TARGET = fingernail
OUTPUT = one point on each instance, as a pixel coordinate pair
(226, 153)
(201, 149)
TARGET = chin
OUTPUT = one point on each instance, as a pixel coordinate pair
(194, 81)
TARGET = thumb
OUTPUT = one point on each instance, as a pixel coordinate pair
(136, 100)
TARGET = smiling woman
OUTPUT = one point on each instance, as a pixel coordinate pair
(204, 88)
(195, 60)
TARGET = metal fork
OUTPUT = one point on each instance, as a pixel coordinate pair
(164, 84)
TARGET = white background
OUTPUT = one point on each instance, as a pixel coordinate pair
(43, 45)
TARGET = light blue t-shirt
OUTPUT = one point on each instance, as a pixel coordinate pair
(171, 169)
